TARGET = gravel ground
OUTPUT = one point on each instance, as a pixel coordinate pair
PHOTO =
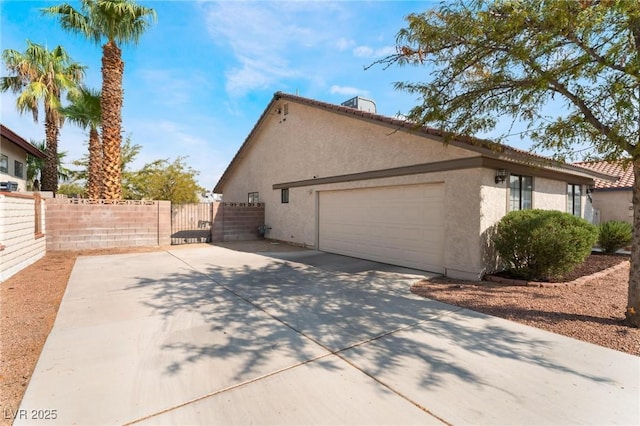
(592, 312)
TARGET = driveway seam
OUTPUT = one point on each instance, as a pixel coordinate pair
(228, 388)
(330, 351)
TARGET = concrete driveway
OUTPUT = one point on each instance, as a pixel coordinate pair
(215, 336)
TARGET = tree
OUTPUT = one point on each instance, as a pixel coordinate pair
(42, 75)
(35, 166)
(161, 180)
(113, 22)
(84, 111)
(128, 153)
(73, 190)
(495, 58)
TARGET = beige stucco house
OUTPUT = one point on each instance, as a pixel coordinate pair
(611, 200)
(351, 182)
(13, 158)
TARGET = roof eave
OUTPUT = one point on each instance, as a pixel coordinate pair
(218, 188)
(481, 146)
(11, 136)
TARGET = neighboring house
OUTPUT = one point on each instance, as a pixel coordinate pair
(13, 158)
(22, 216)
(611, 200)
(360, 184)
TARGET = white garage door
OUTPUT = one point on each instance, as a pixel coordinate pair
(400, 225)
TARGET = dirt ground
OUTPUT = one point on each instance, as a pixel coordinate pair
(593, 312)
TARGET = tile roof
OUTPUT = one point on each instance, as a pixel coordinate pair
(624, 173)
(484, 146)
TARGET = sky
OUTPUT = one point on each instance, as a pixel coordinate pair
(202, 75)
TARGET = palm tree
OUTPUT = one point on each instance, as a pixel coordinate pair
(116, 22)
(84, 111)
(38, 75)
(35, 166)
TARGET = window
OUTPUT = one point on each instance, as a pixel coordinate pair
(520, 192)
(253, 198)
(573, 200)
(284, 195)
(4, 164)
(18, 170)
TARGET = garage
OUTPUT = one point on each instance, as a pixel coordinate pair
(399, 225)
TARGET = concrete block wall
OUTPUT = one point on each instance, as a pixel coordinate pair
(22, 242)
(236, 221)
(74, 224)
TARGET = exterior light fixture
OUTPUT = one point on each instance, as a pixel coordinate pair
(501, 175)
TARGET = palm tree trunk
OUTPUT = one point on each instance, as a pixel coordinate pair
(95, 164)
(50, 169)
(111, 104)
(633, 297)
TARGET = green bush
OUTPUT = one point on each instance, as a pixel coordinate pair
(539, 244)
(614, 235)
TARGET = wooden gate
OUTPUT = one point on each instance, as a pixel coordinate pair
(191, 223)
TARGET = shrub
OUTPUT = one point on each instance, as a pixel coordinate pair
(538, 244)
(614, 235)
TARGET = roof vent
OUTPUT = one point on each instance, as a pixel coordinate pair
(361, 103)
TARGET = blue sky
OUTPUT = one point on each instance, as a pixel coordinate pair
(202, 75)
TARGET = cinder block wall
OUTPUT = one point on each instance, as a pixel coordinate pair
(236, 221)
(74, 224)
(240, 221)
(21, 240)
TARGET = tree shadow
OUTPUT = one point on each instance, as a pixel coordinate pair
(252, 312)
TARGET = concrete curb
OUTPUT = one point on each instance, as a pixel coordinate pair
(579, 281)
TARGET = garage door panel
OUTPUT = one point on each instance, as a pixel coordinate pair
(401, 225)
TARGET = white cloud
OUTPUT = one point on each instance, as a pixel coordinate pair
(344, 44)
(175, 88)
(348, 91)
(369, 52)
(271, 41)
(167, 139)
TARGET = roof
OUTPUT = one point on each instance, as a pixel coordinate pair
(11, 136)
(485, 147)
(620, 169)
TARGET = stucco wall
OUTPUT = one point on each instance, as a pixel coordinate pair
(549, 194)
(14, 153)
(311, 143)
(20, 246)
(308, 143)
(613, 205)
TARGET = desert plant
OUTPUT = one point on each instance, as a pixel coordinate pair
(614, 235)
(538, 244)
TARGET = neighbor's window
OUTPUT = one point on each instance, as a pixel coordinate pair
(18, 171)
(4, 164)
(520, 192)
(253, 198)
(284, 195)
(573, 199)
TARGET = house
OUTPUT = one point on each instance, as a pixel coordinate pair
(356, 183)
(22, 238)
(13, 158)
(612, 200)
